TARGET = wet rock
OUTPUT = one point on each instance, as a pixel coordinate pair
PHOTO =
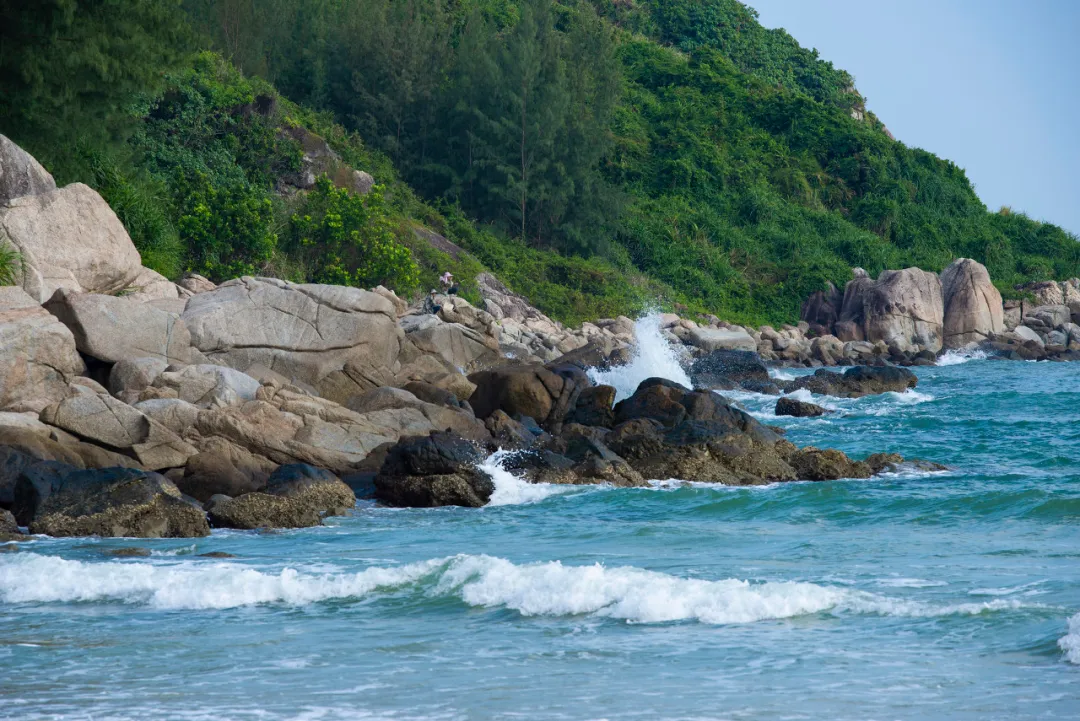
(798, 409)
(8, 525)
(508, 433)
(126, 552)
(217, 554)
(541, 392)
(118, 502)
(813, 464)
(723, 369)
(435, 470)
(594, 407)
(262, 510)
(312, 486)
(884, 462)
(224, 469)
(855, 382)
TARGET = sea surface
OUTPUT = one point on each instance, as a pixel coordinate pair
(949, 595)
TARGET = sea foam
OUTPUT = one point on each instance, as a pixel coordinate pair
(1070, 643)
(956, 357)
(511, 490)
(653, 357)
(533, 589)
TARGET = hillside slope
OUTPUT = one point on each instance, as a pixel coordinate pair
(597, 156)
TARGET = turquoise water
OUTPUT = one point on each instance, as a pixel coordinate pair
(915, 596)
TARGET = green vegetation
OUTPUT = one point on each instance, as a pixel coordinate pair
(596, 155)
(9, 265)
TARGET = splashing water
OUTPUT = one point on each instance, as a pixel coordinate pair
(653, 358)
(511, 490)
(956, 357)
(1070, 643)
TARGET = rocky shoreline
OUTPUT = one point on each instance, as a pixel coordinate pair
(134, 406)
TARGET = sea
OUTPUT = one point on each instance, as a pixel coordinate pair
(914, 595)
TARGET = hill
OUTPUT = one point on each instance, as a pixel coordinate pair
(597, 156)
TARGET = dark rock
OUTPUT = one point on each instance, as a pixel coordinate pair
(883, 462)
(813, 464)
(312, 486)
(660, 401)
(12, 463)
(262, 510)
(594, 407)
(127, 552)
(546, 393)
(227, 472)
(507, 432)
(725, 369)
(217, 554)
(822, 308)
(116, 502)
(34, 486)
(798, 409)
(855, 382)
(435, 470)
(768, 388)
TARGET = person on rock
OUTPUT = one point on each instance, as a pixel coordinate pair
(430, 304)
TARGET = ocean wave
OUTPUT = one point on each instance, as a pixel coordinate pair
(1070, 642)
(511, 490)
(653, 357)
(534, 589)
(956, 357)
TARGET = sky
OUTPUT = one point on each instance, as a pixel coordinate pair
(993, 85)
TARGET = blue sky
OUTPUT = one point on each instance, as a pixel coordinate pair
(990, 84)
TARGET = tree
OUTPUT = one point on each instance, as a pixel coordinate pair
(70, 68)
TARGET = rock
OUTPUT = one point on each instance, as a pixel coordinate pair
(34, 485)
(21, 174)
(812, 464)
(224, 469)
(118, 502)
(339, 340)
(822, 309)
(459, 346)
(209, 386)
(973, 306)
(38, 357)
(430, 393)
(1045, 292)
(1023, 334)
(905, 308)
(134, 375)
(1049, 316)
(12, 463)
(361, 183)
(594, 407)
(113, 329)
(8, 526)
(435, 470)
(725, 369)
(541, 392)
(28, 435)
(855, 382)
(195, 283)
(262, 510)
(798, 409)
(508, 433)
(126, 552)
(457, 419)
(69, 238)
(711, 339)
(150, 286)
(851, 322)
(312, 486)
(105, 420)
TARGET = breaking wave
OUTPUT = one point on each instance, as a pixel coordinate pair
(534, 589)
(1070, 642)
(956, 357)
(511, 490)
(653, 357)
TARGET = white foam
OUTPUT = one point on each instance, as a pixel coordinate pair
(956, 357)
(511, 490)
(653, 357)
(1070, 642)
(780, 374)
(545, 588)
(29, 577)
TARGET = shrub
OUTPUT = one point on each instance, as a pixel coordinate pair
(9, 265)
(345, 239)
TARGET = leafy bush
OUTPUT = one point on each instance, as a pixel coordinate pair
(227, 229)
(344, 239)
